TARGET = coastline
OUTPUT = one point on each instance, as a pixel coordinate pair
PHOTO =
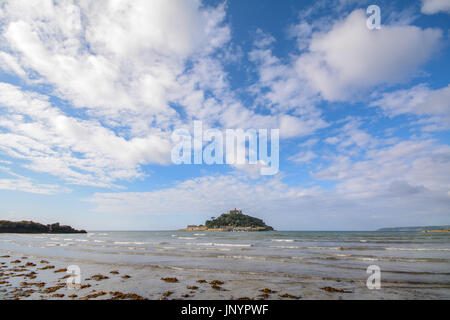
(260, 265)
(225, 229)
(42, 278)
(126, 282)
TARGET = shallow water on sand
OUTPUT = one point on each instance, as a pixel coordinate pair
(412, 262)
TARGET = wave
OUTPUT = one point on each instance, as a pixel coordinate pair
(418, 249)
(243, 257)
(286, 247)
(129, 242)
(213, 244)
(283, 240)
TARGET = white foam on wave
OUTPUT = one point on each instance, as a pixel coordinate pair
(129, 242)
(52, 244)
(199, 234)
(66, 244)
(285, 247)
(325, 248)
(187, 238)
(418, 249)
(241, 257)
(283, 240)
(213, 244)
(367, 259)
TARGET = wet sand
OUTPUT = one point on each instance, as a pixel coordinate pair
(33, 277)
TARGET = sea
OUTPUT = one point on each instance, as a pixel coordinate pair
(414, 262)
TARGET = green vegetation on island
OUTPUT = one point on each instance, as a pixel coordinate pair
(233, 220)
(34, 227)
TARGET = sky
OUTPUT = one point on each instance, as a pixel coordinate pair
(92, 91)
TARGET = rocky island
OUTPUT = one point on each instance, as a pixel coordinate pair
(233, 220)
(34, 227)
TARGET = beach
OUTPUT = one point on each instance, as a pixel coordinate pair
(188, 265)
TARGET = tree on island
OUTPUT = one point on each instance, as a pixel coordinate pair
(237, 220)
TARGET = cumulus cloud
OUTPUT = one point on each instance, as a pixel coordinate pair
(27, 185)
(421, 165)
(351, 136)
(435, 6)
(79, 151)
(419, 100)
(280, 90)
(350, 57)
(303, 156)
(122, 62)
(17, 182)
(393, 186)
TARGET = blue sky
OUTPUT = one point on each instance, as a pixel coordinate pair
(90, 93)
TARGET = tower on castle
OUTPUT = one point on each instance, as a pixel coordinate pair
(235, 211)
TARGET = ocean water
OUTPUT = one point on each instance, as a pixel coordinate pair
(407, 259)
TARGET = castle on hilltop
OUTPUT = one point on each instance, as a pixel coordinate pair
(233, 220)
(235, 211)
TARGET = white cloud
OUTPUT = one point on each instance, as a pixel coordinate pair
(122, 66)
(303, 156)
(397, 200)
(10, 64)
(196, 195)
(24, 184)
(124, 71)
(296, 127)
(79, 151)
(27, 185)
(279, 88)
(350, 58)
(435, 6)
(418, 165)
(419, 100)
(351, 136)
(121, 61)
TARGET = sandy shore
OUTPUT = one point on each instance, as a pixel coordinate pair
(32, 277)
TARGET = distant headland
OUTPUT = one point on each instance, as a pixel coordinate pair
(34, 227)
(417, 229)
(233, 220)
